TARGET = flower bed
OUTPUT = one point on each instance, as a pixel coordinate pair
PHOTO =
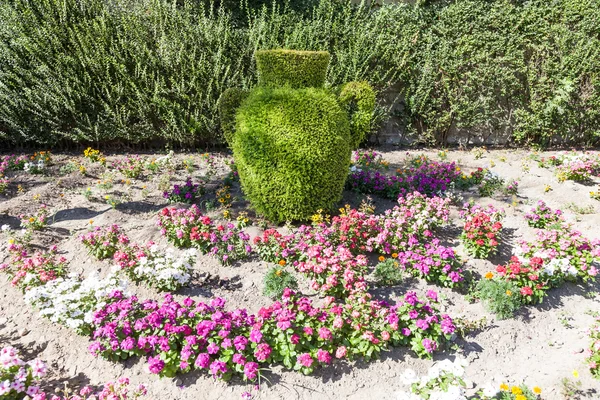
(482, 230)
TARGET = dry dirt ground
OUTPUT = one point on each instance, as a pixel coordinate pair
(542, 346)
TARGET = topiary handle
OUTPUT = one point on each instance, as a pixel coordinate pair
(359, 99)
(227, 105)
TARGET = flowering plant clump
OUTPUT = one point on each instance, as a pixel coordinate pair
(528, 277)
(111, 391)
(432, 262)
(578, 168)
(334, 270)
(18, 379)
(162, 270)
(593, 352)
(12, 162)
(388, 272)
(505, 392)
(185, 193)
(482, 229)
(190, 228)
(512, 188)
(194, 335)
(564, 254)
(94, 155)
(71, 301)
(274, 247)
(38, 162)
(103, 242)
(224, 196)
(131, 166)
(4, 182)
(550, 161)
(443, 381)
(369, 159)
(415, 215)
(27, 271)
(424, 176)
(542, 216)
(37, 221)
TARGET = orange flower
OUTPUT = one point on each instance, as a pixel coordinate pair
(489, 275)
(394, 255)
(282, 262)
(381, 258)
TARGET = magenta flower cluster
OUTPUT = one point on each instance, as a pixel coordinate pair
(179, 337)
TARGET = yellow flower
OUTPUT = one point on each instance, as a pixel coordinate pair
(91, 221)
(575, 373)
(11, 241)
(278, 272)
(107, 197)
(520, 397)
(31, 219)
(537, 390)
(489, 275)
(516, 390)
(381, 258)
(547, 188)
(504, 387)
(508, 293)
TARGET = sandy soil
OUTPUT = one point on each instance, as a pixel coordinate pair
(543, 345)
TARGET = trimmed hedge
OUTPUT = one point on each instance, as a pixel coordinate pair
(296, 69)
(136, 71)
(292, 149)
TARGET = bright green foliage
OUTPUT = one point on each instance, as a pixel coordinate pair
(359, 100)
(292, 149)
(499, 297)
(388, 273)
(296, 69)
(135, 71)
(227, 104)
(276, 280)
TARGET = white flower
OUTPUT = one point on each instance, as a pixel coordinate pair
(5, 228)
(409, 377)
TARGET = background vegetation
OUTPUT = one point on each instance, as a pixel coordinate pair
(113, 71)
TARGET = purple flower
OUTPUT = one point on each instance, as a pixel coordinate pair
(218, 368)
(155, 365)
(202, 361)
(430, 345)
(251, 370)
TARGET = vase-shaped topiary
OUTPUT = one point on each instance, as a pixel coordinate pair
(291, 136)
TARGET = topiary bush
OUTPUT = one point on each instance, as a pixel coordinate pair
(293, 138)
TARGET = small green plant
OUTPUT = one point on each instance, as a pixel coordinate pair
(106, 181)
(88, 194)
(443, 155)
(111, 200)
(570, 389)
(499, 297)
(582, 210)
(188, 164)
(276, 280)
(478, 152)
(464, 325)
(68, 168)
(490, 184)
(565, 318)
(388, 272)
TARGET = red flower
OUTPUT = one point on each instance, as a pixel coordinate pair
(526, 291)
(533, 277)
(480, 242)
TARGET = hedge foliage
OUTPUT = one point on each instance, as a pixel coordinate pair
(292, 150)
(293, 68)
(136, 71)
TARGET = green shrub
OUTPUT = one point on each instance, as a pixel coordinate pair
(387, 273)
(296, 69)
(276, 280)
(292, 150)
(499, 297)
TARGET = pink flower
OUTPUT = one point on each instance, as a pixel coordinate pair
(341, 352)
(305, 360)
(323, 356)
